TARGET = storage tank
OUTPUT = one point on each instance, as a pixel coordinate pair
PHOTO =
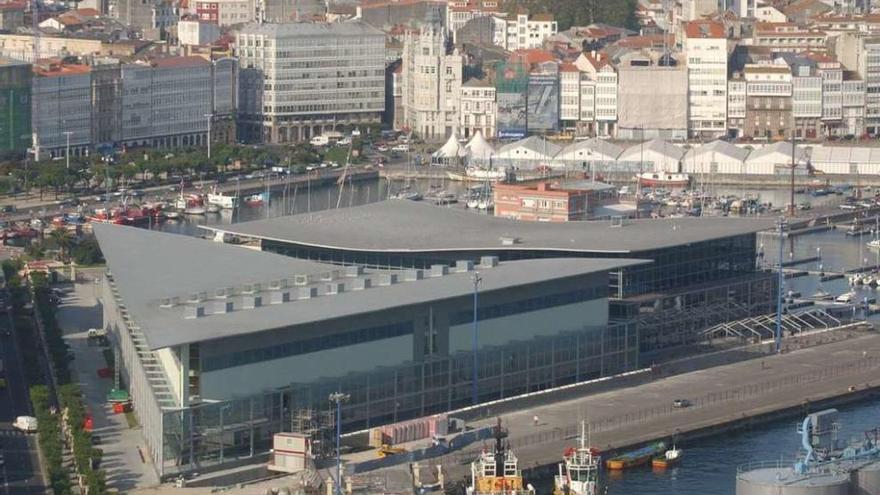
(867, 480)
(784, 481)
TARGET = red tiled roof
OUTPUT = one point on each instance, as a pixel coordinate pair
(58, 69)
(567, 67)
(178, 61)
(532, 56)
(704, 29)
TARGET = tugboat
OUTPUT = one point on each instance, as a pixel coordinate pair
(498, 471)
(579, 471)
(669, 459)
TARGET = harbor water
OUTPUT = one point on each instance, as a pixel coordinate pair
(709, 465)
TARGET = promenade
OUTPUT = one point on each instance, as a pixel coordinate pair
(721, 397)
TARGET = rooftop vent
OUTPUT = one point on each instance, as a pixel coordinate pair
(329, 276)
(488, 261)
(222, 307)
(386, 279)
(354, 271)
(307, 292)
(224, 292)
(302, 279)
(335, 288)
(251, 288)
(169, 302)
(412, 275)
(194, 311)
(251, 301)
(197, 297)
(361, 284)
(462, 266)
(439, 270)
(509, 241)
(278, 284)
(278, 297)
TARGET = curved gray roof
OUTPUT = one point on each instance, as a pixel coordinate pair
(407, 226)
(150, 267)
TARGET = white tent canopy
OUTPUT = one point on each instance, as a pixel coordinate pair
(478, 148)
(452, 150)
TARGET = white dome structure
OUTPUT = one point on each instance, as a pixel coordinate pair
(452, 151)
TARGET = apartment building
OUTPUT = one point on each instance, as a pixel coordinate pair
(569, 95)
(706, 47)
(652, 96)
(459, 12)
(860, 53)
(226, 12)
(478, 108)
(150, 17)
(853, 106)
(806, 99)
(788, 37)
(431, 83)
(768, 101)
(62, 109)
(596, 67)
(523, 31)
(736, 105)
(298, 80)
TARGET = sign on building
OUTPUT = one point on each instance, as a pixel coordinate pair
(543, 103)
(511, 88)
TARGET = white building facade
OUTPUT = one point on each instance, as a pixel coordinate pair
(706, 47)
(477, 109)
(523, 31)
(301, 79)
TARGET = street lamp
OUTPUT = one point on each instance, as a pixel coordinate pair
(209, 116)
(474, 389)
(67, 150)
(338, 398)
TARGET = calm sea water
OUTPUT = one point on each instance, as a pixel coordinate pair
(710, 465)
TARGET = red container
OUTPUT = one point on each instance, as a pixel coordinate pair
(89, 423)
(118, 408)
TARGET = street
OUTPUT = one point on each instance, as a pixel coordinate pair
(21, 472)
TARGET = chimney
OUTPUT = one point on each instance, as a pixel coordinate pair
(439, 270)
(308, 292)
(194, 311)
(222, 307)
(361, 284)
(386, 279)
(411, 275)
(251, 301)
(462, 266)
(488, 261)
(279, 296)
(354, 271)
(335, 288)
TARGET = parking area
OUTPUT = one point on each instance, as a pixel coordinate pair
(126, 465)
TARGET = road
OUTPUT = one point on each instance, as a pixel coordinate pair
(21, 472)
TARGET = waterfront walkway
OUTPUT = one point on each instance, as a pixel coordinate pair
(719, 396)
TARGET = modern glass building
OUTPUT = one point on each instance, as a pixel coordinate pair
(702, 271)
(222, 346)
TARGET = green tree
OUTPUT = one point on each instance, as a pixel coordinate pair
(63, 240)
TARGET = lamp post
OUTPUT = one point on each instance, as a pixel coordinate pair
(67, 150)
(209, 117)
(338, 398)
(475, 389)
(778, 336)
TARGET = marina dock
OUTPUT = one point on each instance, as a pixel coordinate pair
(722, 398)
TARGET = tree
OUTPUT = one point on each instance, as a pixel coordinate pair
(581, 12)
(87, 252)
(63, 240)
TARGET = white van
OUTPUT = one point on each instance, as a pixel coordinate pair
(321, 140)
(401, 148)
(27, 424)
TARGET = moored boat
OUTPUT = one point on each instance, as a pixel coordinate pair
(663, 179)
(498, 471)
(479, 174)
(257, 199)
(222, 200)
(579, 472)
(669, 458)
(634, 458)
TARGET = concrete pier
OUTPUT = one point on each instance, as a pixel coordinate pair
(722, 398)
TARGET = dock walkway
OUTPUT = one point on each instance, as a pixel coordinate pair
(720, 396)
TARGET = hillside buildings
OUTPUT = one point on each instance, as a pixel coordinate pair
(706, 48)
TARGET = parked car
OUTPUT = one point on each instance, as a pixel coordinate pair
(401, 148)
(681, 403)
(27, 424)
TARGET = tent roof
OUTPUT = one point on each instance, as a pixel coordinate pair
(452, 149)
(479, 148)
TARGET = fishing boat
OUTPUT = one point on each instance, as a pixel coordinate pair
(257, 199)
(222, 200)
(669, 458)
(663, 179)
(579, 471)
(497, 471)
(634, 458)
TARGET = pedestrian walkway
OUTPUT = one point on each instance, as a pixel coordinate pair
(126, 467)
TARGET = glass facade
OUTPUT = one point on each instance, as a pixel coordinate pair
(215, 433)
(672, 268)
